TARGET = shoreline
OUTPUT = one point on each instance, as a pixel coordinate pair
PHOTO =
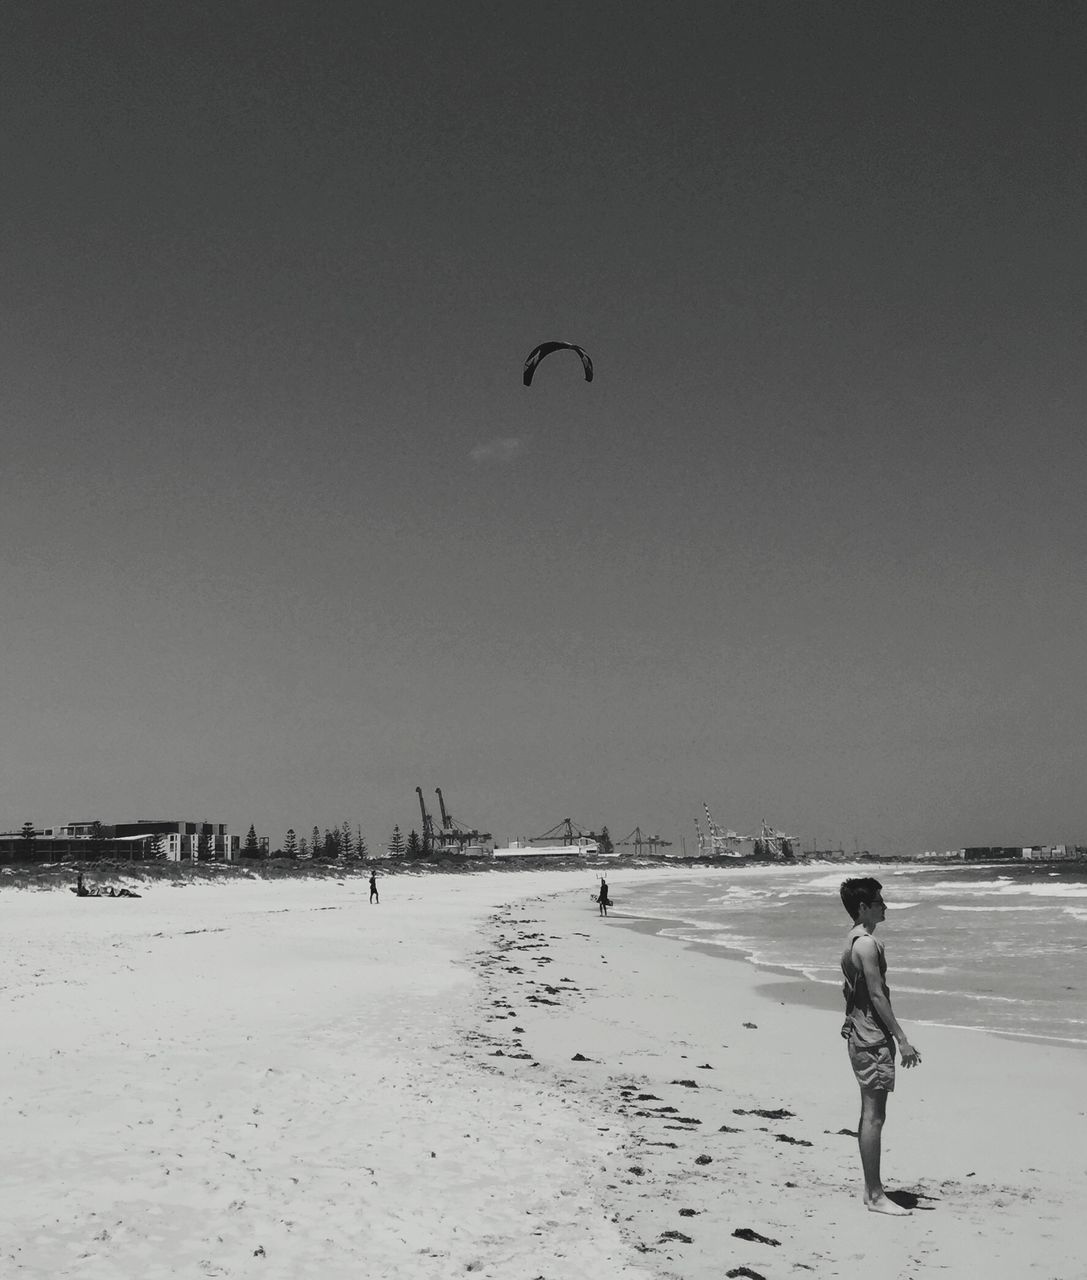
(482, 1075)
(677, 1028)
(807, 992)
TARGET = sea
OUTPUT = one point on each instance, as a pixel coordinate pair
(995, 947)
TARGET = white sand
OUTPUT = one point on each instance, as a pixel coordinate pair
(281, 1080)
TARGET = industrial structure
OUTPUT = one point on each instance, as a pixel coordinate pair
(768, 843)
(642, 844)
(453, 837)
(564, 840)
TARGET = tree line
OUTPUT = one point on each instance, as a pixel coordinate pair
(342, 843)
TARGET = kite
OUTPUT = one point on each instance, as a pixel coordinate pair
(545, 349)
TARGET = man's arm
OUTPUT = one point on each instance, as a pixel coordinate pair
(865, 952)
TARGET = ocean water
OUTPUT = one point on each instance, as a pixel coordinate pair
(999, 947)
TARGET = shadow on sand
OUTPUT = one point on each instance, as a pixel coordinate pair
(911, 1200)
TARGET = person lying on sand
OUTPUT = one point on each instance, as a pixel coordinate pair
(870, 1030)
(82, 891)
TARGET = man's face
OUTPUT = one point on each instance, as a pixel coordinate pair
(874, 912)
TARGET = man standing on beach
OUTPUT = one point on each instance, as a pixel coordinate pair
(870, 1030)
(602, 897)
(373, 888)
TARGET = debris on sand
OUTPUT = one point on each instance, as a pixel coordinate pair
(745, 1233)
(780, 1113)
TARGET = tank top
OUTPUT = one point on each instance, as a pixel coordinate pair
(862, 1024)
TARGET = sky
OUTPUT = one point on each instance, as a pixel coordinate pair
(283, 535)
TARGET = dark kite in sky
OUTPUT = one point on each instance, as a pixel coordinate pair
(545, 349)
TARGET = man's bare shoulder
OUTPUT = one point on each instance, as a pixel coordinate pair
(864, 944)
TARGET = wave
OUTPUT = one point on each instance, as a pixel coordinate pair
(982, 997)
(941, 906)
(923, 870)
(828, 882)
(739, 893)
(1000, 1031)
(1055, 890)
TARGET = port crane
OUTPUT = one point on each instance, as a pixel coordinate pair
(720, 843)
(642, 842)
(767, 843)
(456, 833)
(565, 831)
(453, 835)
(771, 843)
(428, 824)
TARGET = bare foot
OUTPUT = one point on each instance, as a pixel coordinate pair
(880, 1204)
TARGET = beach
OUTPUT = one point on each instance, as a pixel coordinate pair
(480, 1076)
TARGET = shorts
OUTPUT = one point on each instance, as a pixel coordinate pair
(873, 1065)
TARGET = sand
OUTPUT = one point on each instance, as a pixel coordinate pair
(281, 1080)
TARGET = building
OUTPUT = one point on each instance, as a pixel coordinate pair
(182, 841)
(176, 841)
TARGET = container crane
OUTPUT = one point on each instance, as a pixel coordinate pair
(455, 833)
(447, 821)
(721, 843)
(642, 842)
(428, 824)
(771, 843)
(566, 831)
(453, 836)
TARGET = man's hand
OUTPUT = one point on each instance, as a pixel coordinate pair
(910, 1056)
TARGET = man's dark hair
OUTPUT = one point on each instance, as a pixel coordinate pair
(854, 892)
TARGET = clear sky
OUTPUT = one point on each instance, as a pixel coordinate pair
(284, 535)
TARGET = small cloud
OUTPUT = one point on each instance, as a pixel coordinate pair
(501, 449)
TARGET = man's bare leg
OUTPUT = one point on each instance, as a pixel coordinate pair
(869, 1139)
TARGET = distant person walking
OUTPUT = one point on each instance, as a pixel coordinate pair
(373, 888)
(870, 1030)
(602, 898)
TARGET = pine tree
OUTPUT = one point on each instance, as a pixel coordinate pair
(303, 849)
(330, 849)
(415, 845)
(315, 844)
(362, 848)
(396, 844)
(252, 848)
(347, 843)
(203, 847)
(290, 845)
(604, 842)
